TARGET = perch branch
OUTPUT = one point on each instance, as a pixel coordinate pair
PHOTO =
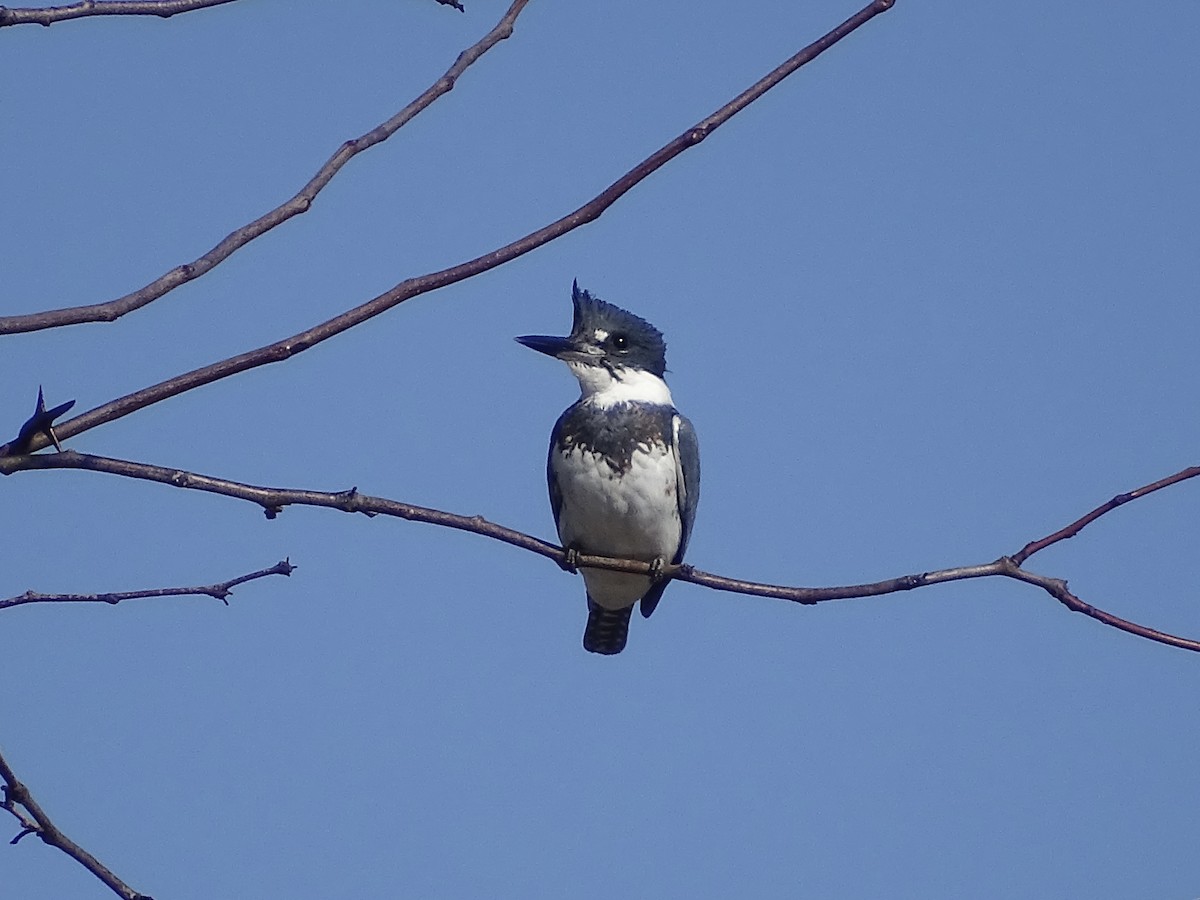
(287, 347)
(33, 820)
(300, 203)
(220, 591)
(273, 500)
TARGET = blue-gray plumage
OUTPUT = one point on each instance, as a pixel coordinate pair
(624, 465)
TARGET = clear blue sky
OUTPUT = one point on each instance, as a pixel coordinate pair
(933, 297)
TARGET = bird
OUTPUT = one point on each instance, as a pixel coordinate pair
(624, 464)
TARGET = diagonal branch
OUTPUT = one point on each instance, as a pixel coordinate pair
(300, 203)
(220, 591)
(1120, 500)
(287, 347)
(273, 500)
(164, 9)
(33, 819)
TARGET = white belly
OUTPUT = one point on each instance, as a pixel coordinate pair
(635, 516)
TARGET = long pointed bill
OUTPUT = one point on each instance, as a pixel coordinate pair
(557, 347)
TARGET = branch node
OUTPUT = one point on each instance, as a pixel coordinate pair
(220, 593)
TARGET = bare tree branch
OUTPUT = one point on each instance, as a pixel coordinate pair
(220, 591)
(17, 798)
(33, 820)
(273, 500)
(300, 203)
(1120, 500)
(288, 347)
(164, 9)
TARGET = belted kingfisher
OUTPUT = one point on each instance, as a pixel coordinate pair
(624, 465)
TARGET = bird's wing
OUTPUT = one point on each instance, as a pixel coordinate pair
(687, 493)
(687, 486)
(556, 497)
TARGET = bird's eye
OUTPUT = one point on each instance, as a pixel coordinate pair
(620, 342)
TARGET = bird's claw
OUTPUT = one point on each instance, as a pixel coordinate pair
(570, 561)
(657, 565)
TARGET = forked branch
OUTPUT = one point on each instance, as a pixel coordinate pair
(300, 203)
(33, 820)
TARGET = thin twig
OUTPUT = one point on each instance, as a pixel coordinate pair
(273, 500)
(1120, 500)
(300, 203)
(164, 9)
(33, 820)
(590, 211)
(219, 591)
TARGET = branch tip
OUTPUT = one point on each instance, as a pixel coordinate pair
(221, 591)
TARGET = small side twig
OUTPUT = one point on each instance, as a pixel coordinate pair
(32, 819)
(1079, 524)
(220, 591)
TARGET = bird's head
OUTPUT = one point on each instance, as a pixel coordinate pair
(607, 347)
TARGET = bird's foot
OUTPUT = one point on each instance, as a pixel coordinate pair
(571, 562)
(656, 569)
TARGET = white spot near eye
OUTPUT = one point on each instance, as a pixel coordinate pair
(600, 335)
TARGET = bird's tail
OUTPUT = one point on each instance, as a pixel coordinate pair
(606, 629)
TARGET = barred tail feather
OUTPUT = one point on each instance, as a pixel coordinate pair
(607, 629)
